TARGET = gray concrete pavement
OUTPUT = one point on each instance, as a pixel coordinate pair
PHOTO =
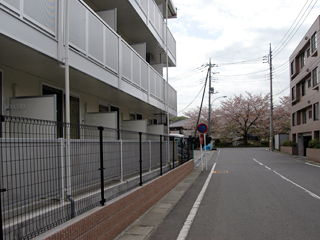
(148, 223)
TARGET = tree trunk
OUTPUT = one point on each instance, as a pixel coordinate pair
(245, 138)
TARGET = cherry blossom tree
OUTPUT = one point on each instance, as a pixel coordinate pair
(193, 118)
(281, 115)
(247, 114)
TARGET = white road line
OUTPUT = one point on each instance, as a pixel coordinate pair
(306, 190)
(267, 167)
(258, 162)
(313, 165)
(187, 224)
(288, 180)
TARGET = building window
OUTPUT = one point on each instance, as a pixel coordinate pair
(135, 116)
(294, 123)
(314, 42)
(303, 60)
(304, 117)
(103, 108)
(316, 111)
(132, 116)
(315, 80)
(308, 52)
(303, 88)
(309, 83)
(292, 68)
(294, 93)
(310, 114)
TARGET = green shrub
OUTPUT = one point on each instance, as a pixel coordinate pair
(289, 143)
(217, 141)
(314, 143)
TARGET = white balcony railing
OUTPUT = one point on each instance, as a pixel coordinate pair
(91, 37)
(156, 19)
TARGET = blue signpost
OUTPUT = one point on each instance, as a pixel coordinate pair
(202, 128)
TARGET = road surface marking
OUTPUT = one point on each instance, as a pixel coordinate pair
(288, 180)
(220, 171)
(258, 162)
(187, 224)
(313, 165)
(304, 189)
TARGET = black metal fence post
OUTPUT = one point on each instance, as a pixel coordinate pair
(1, 189)
(173, 153)
(140, 149)
(103, 200)
(160, 155)
(1, 222)
(181, 146)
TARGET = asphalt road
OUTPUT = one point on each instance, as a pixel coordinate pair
(250, 194)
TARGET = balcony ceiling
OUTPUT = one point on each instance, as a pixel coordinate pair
(127, 20)
(23, 59)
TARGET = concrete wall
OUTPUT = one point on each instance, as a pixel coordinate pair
(289, 150)
(107, 222)
(313, 154)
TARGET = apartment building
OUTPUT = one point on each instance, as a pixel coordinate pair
(304, 84)
(108, 56)
(116, 52)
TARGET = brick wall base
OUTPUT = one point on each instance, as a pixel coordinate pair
(107, 222)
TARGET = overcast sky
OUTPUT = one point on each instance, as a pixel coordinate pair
(236, 35)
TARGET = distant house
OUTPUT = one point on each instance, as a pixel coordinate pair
(179, 127)
(304, 84)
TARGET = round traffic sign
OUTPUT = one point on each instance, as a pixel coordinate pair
(203, 128)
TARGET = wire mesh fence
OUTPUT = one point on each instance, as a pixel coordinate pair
(46, 180)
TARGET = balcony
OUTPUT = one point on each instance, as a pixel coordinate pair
(97, 52)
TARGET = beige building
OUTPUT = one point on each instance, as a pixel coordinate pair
(304, 84)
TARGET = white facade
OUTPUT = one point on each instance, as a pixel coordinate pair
(117, 50)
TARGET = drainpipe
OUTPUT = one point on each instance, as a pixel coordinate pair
(67, 92)
(167, 78)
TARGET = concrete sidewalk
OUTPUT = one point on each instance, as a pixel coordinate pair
(148, 222)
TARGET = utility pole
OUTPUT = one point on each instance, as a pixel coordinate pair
(271, 101)
(210, 92)
(209, 120)
(204, 90)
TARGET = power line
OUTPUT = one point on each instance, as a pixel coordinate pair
(284, 45)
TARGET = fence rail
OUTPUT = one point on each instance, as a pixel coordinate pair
(45, 181)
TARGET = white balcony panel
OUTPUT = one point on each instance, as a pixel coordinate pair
(153, 101)
(152, 14)
(126, 61)
(164, 89)
(43, 12)
(144, 6)
(153, 82)
(144, 75)
(82, 64)
(90, 38)
(132, 90)
(13, 3)
(26, 34)
(136, 69)
(111, 50)
(158, 86)
(77, 16)
(95, 38)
